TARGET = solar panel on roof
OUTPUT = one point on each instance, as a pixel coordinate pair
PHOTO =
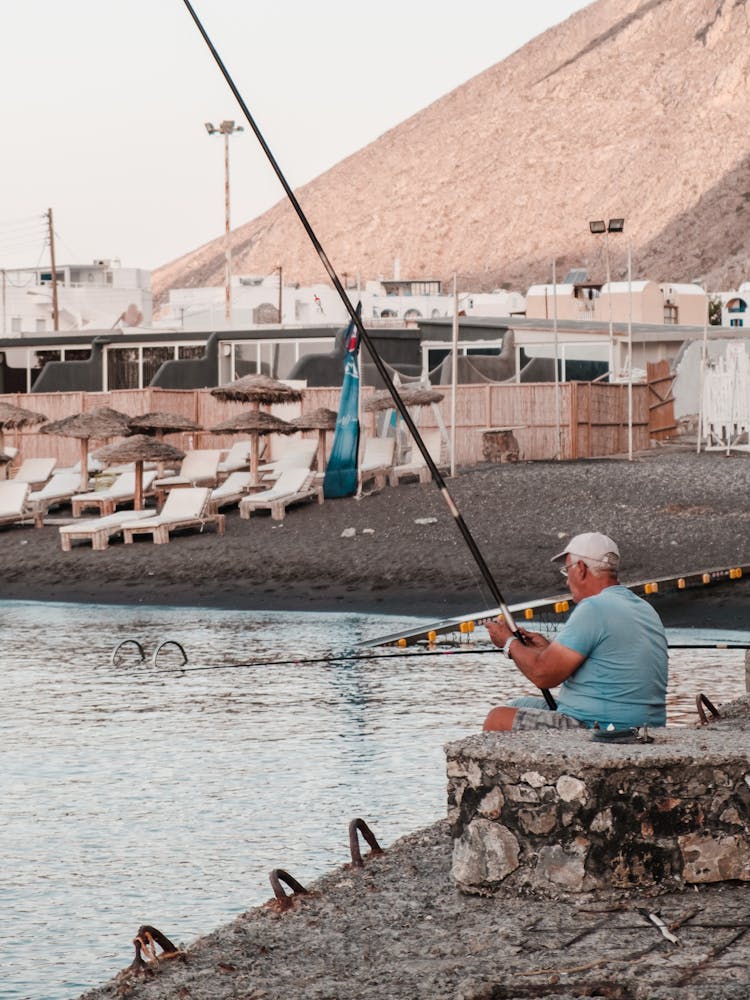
(576, 277)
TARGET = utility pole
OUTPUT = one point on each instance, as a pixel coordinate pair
(226, 128)
(55, 311)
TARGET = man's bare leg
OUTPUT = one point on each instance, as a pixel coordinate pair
(500, 720)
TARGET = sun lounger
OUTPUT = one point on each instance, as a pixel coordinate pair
(231, 491)
(35, 471)
(300, 456)
(13, 503)
(183, 508)
(417, 466)
(98, 530)
(93, 465)
(200, 467)
(59, 489)
(377, 460)
(292, 486)
(107, 501)
(236, 459)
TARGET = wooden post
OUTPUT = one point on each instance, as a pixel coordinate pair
(84, 464)
(138, 499)
(573, 419)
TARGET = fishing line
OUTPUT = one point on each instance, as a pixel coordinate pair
(457, 650)
(365, 339)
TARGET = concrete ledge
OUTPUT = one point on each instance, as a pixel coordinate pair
(555, 812)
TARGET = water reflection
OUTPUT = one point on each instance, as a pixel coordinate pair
(133, 795)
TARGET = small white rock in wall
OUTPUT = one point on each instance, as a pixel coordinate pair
(425, 520)
(368, 531)
(348, 532)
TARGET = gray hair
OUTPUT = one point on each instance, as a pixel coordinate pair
(608, 566)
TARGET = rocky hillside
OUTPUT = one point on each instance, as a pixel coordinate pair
(634, 108)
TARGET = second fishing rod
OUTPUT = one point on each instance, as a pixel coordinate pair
(366, 340)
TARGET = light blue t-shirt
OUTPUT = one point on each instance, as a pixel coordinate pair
(623, 680)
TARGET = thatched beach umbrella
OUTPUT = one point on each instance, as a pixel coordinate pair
(382, 400)
(139, 448)
(257, 390)
(158, 423)
(98, 424)
(4, 462)
(14, 417)
(322, 421)
(254, 423)
(412, 395)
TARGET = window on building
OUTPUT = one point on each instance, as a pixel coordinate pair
(15, 324)
(245, 360)
(153, 359)
(122, 368)
(736, 306)
(39, 359)
(736, 322)
(40, 325)
(670, 313)
(190, 352)
(425, 288)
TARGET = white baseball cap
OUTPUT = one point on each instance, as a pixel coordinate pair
(589, 545)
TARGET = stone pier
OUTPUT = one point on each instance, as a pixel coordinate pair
(553, 811)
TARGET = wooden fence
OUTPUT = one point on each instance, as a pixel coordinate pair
(592, 421)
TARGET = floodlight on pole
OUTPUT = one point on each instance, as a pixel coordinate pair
(226, 128)
(599, 227)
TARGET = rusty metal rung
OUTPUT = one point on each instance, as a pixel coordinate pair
(276, 877)
(701, 703)
(145, 941)
(359, 826)
(127, 642)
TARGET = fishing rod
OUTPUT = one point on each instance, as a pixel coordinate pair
(447, 650)
(365, 339)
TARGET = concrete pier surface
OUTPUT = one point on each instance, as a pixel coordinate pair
(398, 929)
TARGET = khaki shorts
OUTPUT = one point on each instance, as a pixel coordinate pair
(528, 719)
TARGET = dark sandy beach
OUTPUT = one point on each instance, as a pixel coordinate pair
(671, 510)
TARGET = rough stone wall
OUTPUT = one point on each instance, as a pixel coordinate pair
(557, 812)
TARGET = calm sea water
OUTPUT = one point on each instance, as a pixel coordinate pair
(137, 795)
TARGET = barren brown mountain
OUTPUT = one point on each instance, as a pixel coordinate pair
(634, 108)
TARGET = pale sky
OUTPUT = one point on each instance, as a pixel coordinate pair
(104, 104)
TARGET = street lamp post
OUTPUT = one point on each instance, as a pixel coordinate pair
(226, 128)
(598, 227)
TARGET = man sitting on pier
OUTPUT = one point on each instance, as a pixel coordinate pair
(610, 658)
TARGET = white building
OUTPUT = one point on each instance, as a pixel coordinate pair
(100, 295)
(669, 304)
(734, 306)
(258, 301)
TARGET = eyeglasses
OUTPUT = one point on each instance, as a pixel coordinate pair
(564, 570)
